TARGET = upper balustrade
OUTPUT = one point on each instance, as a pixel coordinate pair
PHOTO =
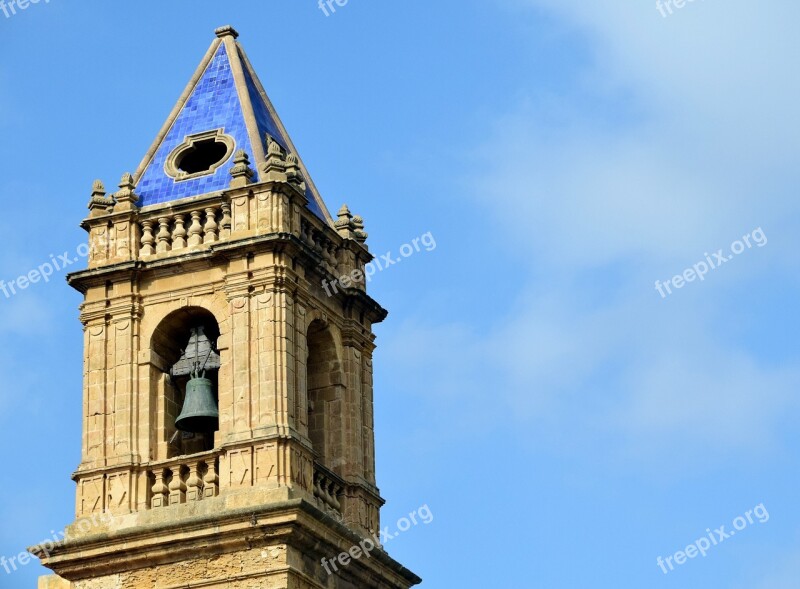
(120, 232)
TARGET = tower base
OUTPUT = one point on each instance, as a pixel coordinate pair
(281, 546)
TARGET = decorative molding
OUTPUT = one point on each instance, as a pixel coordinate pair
(218, 136)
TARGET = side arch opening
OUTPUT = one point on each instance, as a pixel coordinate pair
(325, 396)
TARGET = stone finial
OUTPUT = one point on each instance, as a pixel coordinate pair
(345, 216)
(241, 171)
(126, 197)
(294, 175)
(344, 224)
(349, 226)
(226, 31)
(273, 147)
(358, 224)
(99, 203)
(280, 166)
(274, 166)
(98, 189)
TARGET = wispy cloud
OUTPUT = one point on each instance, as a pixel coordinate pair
(597, 210)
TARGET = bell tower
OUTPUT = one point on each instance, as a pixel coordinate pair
(227, 400)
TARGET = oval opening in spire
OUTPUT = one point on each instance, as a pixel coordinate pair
(203, 156)
(199, 155)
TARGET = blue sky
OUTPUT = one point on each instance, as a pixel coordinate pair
(565, 423)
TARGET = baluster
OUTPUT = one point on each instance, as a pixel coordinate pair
(211, 481)
(317, 487)
(329, 492)
(211, 225)
(147, 239)
(177, 488)
(195, 230)
(329, 260)
(319, 249)
(323, 252)
(160, 491)
(323, 494)
(194, 484)
(331, 251)
(179, 235)
(163, 235)
(227, 221)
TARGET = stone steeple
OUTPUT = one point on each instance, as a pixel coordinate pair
(218, 248)
(224, 109)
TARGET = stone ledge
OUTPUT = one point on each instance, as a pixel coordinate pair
(295, 522)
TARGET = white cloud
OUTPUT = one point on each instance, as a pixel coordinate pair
(624, 373)
(714, 63)
(784, 574)
(702, 163)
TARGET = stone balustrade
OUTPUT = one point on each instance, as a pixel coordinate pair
(328, 490)
(161, 231)
(184, 479)
(322, 246)
(168, 231)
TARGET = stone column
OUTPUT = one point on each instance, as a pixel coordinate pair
(353, 414)
(240, 365)
(95, 402)
(275, 360)
(368, 419)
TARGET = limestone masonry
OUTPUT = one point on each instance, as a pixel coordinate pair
(221, 233)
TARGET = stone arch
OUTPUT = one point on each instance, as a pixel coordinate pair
(166, 344)
(155, 313)
(325, 393)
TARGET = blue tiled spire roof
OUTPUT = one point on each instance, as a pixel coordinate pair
(225, 94)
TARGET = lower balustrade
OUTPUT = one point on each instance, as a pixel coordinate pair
(184, 479)
(328, 490)
(193, 478)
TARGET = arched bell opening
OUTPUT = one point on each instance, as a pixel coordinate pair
(186, 341)
(325, 394)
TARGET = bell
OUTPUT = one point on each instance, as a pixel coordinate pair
(200, 413)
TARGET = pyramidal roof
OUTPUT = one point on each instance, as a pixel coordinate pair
(224, 95)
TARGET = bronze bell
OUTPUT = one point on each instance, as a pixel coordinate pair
(200, 413)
